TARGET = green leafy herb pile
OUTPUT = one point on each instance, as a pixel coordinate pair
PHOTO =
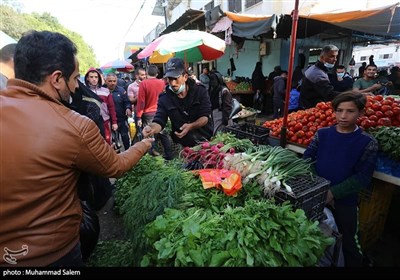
(257, 234)
(130, 180)
(388, 138)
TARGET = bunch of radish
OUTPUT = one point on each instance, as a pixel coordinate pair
(209, 155)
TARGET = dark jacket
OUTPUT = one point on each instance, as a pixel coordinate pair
(88, 103)
(343, 85)
(196, 104)
(279, 88)
(316, 86)
(121, 103)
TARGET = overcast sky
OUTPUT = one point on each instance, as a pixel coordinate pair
(104, 24)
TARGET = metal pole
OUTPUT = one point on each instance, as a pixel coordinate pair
(165, 4)
(295, 19)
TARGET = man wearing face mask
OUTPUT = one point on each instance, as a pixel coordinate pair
(187, 105)
(316, 86)
(44, 148)
(341, 80)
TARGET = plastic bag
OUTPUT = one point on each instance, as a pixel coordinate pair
(229, 181)
(115, 142)
(89, 230)
(236, 108)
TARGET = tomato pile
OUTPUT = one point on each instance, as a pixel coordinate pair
(303, 124)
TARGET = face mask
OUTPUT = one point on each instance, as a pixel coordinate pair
(340, 75)
(328, 65)
(181, 88)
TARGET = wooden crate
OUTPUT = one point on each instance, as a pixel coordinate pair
(374, 206)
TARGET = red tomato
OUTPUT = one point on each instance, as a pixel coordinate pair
(300, 134)
(379, 114)
(365, 124)
(307, 141)
(376, 106)
(372, 123)
(373, 118)
(298, 126)
(386, 108)
(369, 112)
(309, 134)
(396, 110)
(387, 102)
(384, 122)
(389, 113)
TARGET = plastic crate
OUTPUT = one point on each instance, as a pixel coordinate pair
(256, 134)
(309, 194)
(373, 211)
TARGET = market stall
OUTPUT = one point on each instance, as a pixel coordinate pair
(222, 213)
(382, 120)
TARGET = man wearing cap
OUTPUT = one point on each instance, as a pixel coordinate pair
(186, 103)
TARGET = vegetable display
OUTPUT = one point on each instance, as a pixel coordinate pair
(303, 124)
(257, 234)
(269, 166)
(388, 139)
(172, 220)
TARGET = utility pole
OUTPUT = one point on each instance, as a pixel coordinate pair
(165, 5)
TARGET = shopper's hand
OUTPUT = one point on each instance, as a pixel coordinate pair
(148, 142)
(115, 127)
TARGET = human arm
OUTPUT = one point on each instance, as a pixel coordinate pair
(127, 104)
(186, 127)
(98, 157)
(141, 101)
(111, 111)
(312, 149)
(358, 87)
(151, 129)
(132, 96)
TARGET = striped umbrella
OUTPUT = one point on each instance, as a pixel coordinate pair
(190, 45)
